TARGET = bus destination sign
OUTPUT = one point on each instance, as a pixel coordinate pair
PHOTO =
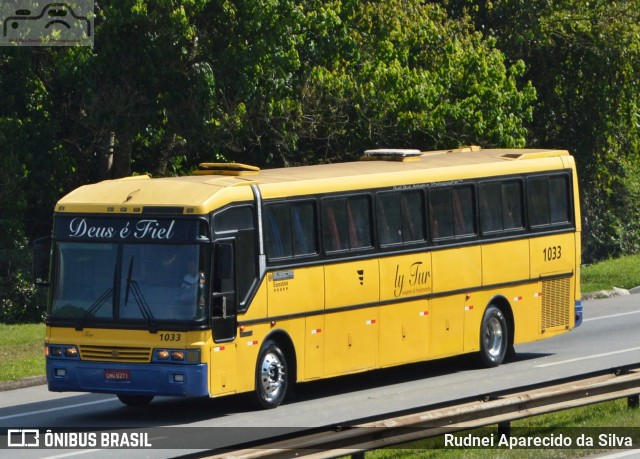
(125, 229)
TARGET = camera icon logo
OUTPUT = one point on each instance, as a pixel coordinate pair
(53, 24)
(23, 438)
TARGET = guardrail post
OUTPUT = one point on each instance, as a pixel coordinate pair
(504, 429)
(359, 455)
(633, 401)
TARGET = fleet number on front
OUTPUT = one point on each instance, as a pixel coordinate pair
(170, 336)
(552, 253)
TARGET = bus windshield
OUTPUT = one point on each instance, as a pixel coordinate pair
(128, 282)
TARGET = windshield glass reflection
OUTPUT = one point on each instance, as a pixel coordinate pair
(135, 282)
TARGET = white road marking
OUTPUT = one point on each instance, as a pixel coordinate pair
(75, 453)
(596, 356)
(611, 316)
(60, 408)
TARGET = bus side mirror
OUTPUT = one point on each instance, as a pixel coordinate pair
(41, 261)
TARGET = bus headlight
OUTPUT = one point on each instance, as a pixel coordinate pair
(176, 355)
(61, 351)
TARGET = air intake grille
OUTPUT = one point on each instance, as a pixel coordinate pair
(556, 303)
(115, 353)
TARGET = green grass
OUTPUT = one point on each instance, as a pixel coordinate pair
(21, 351)
(622, 272)
(591, 421)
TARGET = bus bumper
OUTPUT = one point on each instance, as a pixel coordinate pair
(131, 379)
(578, 312)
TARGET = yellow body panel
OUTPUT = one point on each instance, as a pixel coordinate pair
(350, 341)
(352, 283)
(223, 369)
(404, 333)
(294, 290)
(368, 309)
(505, 262)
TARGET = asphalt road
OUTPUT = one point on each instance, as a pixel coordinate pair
(608, 338)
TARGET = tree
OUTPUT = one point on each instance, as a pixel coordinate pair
(583, 58)
(300, 82)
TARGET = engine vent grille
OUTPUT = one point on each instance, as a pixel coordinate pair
(556, 304)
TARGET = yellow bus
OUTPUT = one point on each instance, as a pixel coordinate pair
(241, 280)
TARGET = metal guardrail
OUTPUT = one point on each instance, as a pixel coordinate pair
(500, 408)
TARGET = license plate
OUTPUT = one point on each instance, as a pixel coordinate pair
(117, 375)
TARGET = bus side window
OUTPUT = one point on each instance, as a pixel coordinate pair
(548, 200)
(400, 216)
(346, 223)
(501, 205)
(389, 219)
(491, 207)
(559, 199)
(278, 231)
(440, 213)
(463, 211)
(412, 205)
(359, 212)
(303, 222)
(334, 226)
(512, 205)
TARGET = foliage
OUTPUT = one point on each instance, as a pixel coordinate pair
(170, 83)
(583, 58)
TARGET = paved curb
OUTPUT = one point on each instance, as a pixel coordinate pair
(610, 293)
(21, 383)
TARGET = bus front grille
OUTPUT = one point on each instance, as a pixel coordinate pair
(115, 353)
(556, 304)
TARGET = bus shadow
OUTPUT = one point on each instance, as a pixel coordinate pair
(164, 411)
(397, 375)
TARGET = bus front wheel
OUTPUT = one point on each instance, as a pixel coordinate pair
(272, 378)
(135, 400)
(494, 337)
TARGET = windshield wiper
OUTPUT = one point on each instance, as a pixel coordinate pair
(133, 287)
(108, 293)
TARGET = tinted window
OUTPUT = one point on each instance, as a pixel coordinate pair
(400, 217)
(233, 219)
(346, 223)
(452, 212)
(548, 200)
(501, 206)
(290, 230)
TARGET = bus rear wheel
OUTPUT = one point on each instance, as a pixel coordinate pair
(135, 400)
(494, 337)
(272, 378)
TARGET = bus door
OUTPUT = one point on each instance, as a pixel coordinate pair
(223, 359)
(224, 298)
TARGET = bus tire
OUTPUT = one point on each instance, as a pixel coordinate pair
(494, 337)
(135, 400)
(272, 378)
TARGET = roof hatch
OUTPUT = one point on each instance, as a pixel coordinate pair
(234, 169)
(391, 154)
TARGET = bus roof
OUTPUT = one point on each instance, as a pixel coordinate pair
(217, 185)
